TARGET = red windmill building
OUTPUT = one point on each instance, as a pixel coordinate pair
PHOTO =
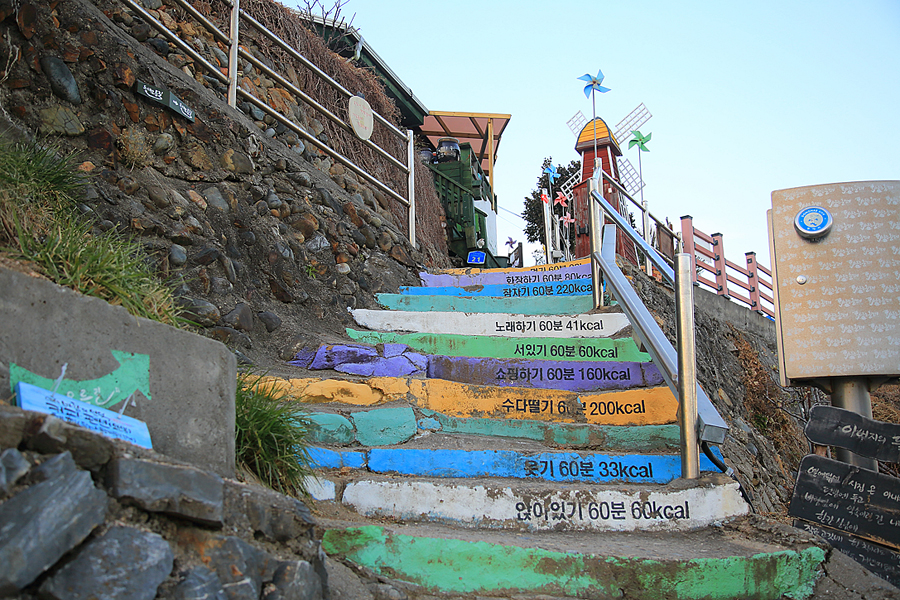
(607, 149)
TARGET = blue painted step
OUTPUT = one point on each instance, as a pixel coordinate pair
(575, 287)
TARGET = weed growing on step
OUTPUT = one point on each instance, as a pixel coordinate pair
(38, 191)
(270, 435)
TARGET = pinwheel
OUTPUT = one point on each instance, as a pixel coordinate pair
(511, 243)
(561, 200)
(640, 140)
(552, 175)
(593, 85)
(567, 220)
(544, 198)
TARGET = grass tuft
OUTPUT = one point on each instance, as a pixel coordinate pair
(270, 435)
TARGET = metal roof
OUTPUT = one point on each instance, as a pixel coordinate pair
(481, 130)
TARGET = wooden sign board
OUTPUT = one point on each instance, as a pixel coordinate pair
(101, 420)
(879, 560)
(833, 426)
(855, 500)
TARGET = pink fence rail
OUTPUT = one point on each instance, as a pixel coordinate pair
(750, 285)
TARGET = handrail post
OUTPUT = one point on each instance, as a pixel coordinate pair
(411, 183)
(687, 243)
(233, 54)
(687, 367)
(721, 267)
(648, 266)
(753, 278)
(596, 243)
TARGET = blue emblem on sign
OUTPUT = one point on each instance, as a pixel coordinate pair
(476, 257)
(813, 222)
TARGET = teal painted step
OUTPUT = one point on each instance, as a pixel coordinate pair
(458, 566)
(562, 305)
(447, 344)
(582, 467)
(392, 426)
(576, 287)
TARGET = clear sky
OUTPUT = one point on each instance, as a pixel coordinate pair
(746, 97)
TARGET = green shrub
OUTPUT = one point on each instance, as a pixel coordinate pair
(270, 435)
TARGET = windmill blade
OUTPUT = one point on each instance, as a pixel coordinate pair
(628, 176)
(569, 184)
(632, 121)
(577, 123)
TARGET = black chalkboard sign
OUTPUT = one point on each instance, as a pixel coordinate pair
(848, 498)
(832, 426)
(164, 97)
(879, 560)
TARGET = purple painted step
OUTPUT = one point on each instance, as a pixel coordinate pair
(387, 360)
(575, 376)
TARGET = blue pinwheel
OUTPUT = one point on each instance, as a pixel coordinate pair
(552, 175)
(593, 85)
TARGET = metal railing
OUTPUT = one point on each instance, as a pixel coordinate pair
(235, 91)
(710, 426)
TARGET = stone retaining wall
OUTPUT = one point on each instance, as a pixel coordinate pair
(83, 516)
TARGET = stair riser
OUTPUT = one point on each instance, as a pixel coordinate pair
(493, 324)
(545, 466)
(651, 406)
(391, 426)
(586, 509)
(574, 287)
(554, 349)
(473, 271)
(563, 305)
(464, 567)
(558, 275)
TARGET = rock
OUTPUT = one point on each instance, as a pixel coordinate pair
(62, 82)
(220, 56)
(152, 4)
(247, 237)
(401, 256)
(129, 185)
(236, 162)
(195, 156)
(317, 243)
(200, 583)
(201, 312)
(54, 436)
(42, 523)
(174, 490)
(160, 46)
(269, 515)
(12, 426)
(206, 256)
(164, 142)
(280, 290)
(231, 268)
(177, 255)
(122, 564)
(342, 268)
(272, 200)
(140, 31)
(231, 337)
(158, 196)
(240, 567)
(12, 467)
(296, 580)
(307, 224)
(270, 320)
(55, 466)
(214, 198)
(301, 178)
(384, 591)
(60, 120)
(240, 318)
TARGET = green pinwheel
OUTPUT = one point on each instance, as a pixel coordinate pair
(640, 140)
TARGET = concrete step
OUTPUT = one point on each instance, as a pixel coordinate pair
(649, 406)
(522, 505)
(540, 274)
(472, 271)
(554, 349)
(454, 456)
(347, 425)
(745, 558)
(493, 324)
(529, 289)
(553, 305)
(397, 360)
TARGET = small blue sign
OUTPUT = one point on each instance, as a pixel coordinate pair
(476, 257)
(813, 222)
(101, 420)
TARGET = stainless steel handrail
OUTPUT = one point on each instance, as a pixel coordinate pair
(642, 206)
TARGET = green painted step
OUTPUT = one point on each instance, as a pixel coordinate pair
(448, 344)
(718, 567)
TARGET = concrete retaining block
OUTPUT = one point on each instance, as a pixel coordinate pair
(192, 378)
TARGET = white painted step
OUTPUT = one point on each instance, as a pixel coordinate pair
(496, 324)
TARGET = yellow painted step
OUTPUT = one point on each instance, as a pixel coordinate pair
(645, 406)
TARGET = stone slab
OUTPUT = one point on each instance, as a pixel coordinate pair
(445, 344)
(493, 324)
(521, 505)
(574, 287)
(193, 379)
(561, 305)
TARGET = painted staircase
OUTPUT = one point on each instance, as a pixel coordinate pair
(500, 437)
